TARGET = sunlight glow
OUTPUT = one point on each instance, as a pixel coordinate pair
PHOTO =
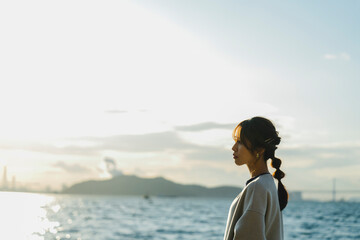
(23, 216)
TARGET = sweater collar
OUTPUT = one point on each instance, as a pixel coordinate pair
(253, 178)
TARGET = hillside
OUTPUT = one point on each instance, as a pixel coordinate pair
(133, 185)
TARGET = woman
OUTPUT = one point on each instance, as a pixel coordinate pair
(256, 212)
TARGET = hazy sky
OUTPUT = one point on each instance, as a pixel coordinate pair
(155, 88)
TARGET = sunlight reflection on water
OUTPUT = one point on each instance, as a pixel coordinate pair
(23, 216)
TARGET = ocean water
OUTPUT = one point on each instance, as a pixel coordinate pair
(43, 216)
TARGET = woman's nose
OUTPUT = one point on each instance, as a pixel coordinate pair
(233, 148)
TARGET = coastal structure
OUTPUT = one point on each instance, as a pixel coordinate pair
(5, 183)
(295, 196)
(334, 190)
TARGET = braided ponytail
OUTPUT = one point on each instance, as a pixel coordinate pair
(278, 174)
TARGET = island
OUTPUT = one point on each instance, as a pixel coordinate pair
(158, 186)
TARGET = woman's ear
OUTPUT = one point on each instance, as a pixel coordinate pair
(260, 151)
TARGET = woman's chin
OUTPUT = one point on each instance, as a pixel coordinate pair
(237, 162)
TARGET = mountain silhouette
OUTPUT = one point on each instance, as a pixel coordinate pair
(159, 186)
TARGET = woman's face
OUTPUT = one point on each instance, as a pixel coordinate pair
(242, 155)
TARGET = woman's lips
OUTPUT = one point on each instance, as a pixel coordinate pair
(234, 156)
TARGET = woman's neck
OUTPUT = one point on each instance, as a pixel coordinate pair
(258, 168)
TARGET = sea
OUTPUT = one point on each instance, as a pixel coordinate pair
(54, 216)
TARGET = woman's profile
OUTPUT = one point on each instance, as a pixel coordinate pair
(256, 212)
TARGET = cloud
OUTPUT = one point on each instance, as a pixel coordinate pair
(49, 148)
(321, 156)
(209, 154)
(116, 111)
(71, 168)
(164, 143)
(151, 142)
(341, 56)
(330, 56)
(111, 167)
(161, 142)
(205, 126)
(345, 56)
(351, 172)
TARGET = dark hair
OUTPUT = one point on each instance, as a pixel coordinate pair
(259, 132)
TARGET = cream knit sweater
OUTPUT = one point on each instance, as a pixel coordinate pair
(255, 213)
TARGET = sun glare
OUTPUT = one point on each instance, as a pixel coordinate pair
(23, 216)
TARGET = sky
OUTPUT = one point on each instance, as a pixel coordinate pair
(93, 89)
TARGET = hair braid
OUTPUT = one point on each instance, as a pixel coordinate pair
(278, 174)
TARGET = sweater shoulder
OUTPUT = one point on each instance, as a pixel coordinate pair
(256, 194)
(262, 184)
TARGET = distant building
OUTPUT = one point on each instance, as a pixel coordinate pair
(13, 183)
(4, 182)
(295, 196)
(48, 189)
